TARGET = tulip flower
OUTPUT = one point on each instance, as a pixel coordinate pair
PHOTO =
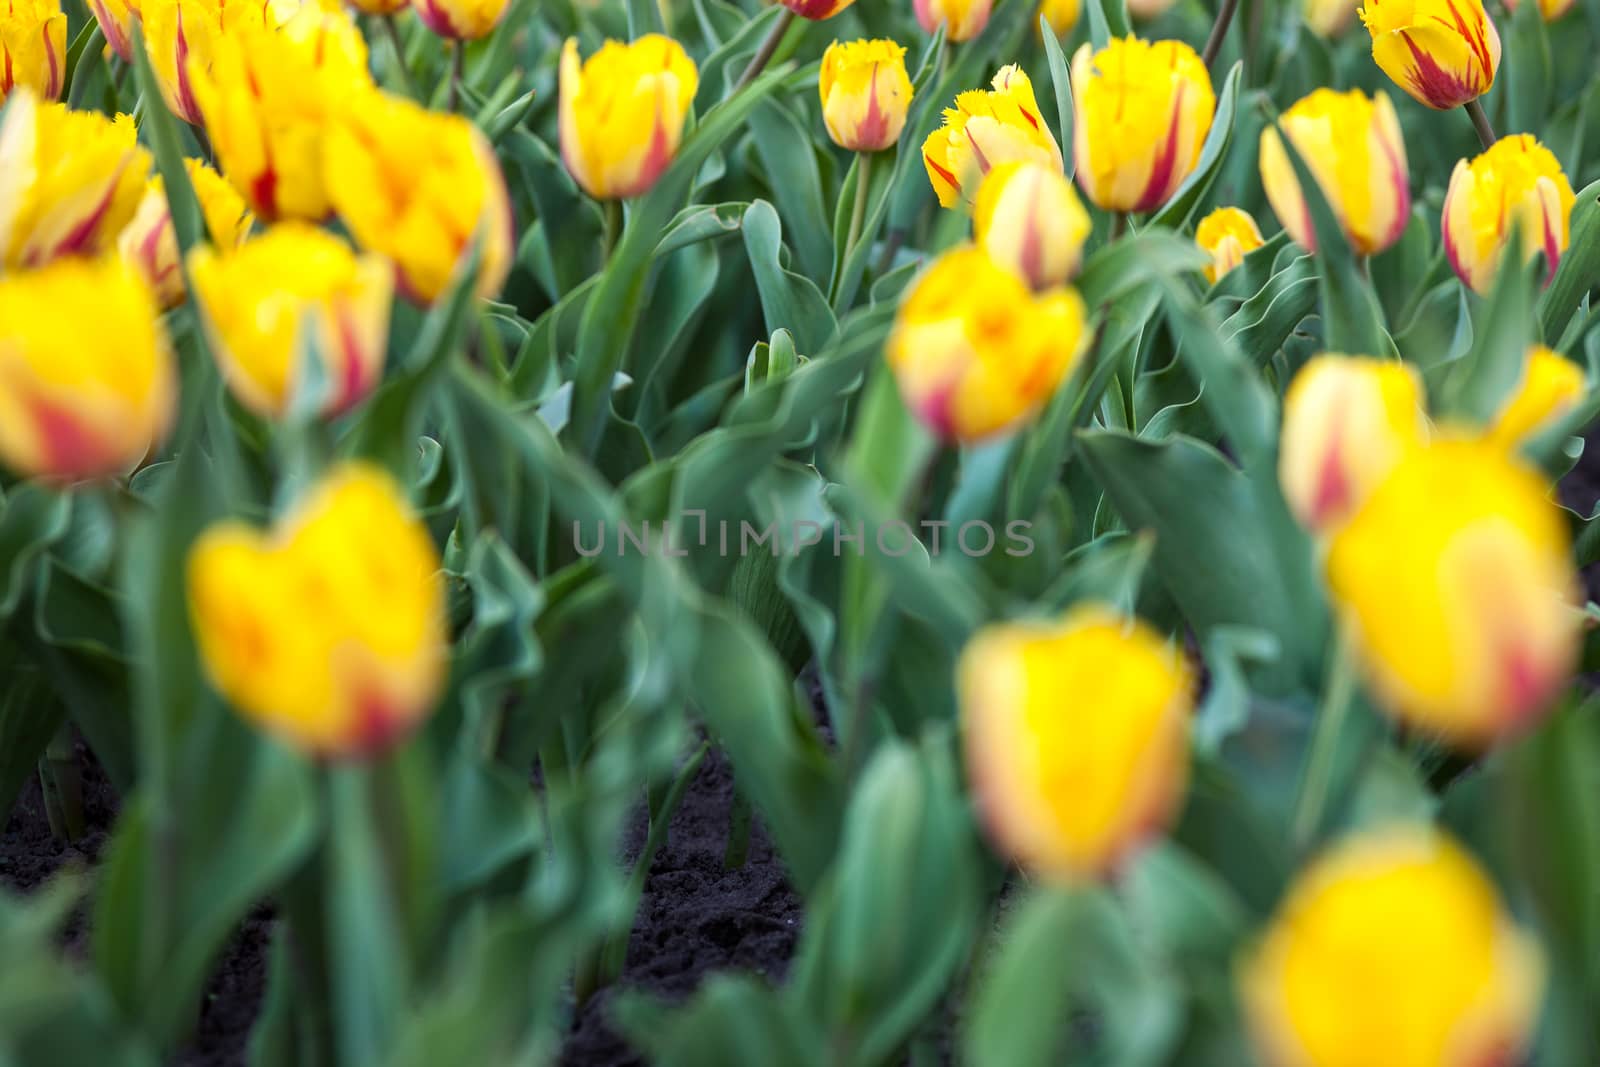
(1551, 386)
(116, 24)
(865, 93)
(181, 37)
(1061, 15)
(1516, 180)
(1227, 235)
(962, 19)
(328, 631)
(1455, 579)
(461, 20)
(1028, 219)
(69, 180)
(1392, 948)
(1330, 18)
(150, 243)
(416, 186)
(622, 112)
(1141, 111)
(984, 129)
(1443, 52)
(270, 99)
(87, 380)
(1351, 144)
(975, 352)
(1347, 420)
(1550, 10)
(1076, 737)
(33, 47)
(294, 288)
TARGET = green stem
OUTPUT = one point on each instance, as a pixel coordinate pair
(1119, 223)
(458, 73)
(858, 215)
(763, 56)
(1219, 31)
(1332, 713)
(611, 234)
(392, 32)
(62, 779)
(740, 815)
(1480, 122)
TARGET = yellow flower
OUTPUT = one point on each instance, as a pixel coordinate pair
(1028, 219)
(33, 47)
(87, 380)
(984, 129)
(1062, 15)
(269, 100)
(962, 19)
(1443, 52)
(1141, 111)
(69, 180)
(181, 38)
(1456, 580)
(1551, 10)
(1076, 736)
(1551, 385)
(1347, 420)
(1228, 235)
(1516, 180)
(150, 243)
(1352, 146)
(622, 112)
(295, 286)
(1392, 948)
(416, 186)
(975, 352)
(465, 20)
(865, 93)
(329, 630)
(116, 23)
(816, 10)
(1330, 18)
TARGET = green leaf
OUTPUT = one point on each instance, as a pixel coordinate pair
(1527, 72)
(571, 223)
(791, 301)
(644, 16)
(1579, 270)
(1502, 328)
(1261, 325)
(162, 130)
(1061, 81)
(1180, 208)
(32, 518)
(1107, 19)
(788, 157)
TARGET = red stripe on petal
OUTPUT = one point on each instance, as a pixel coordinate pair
(1156, 189)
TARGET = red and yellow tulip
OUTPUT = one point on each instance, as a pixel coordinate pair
(865, 93)
(1227, 235)
(1443, 52)
(1028, 219)
(622, 113)
(984, 129)
(1516, 181)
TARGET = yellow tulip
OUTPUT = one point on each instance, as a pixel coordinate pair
(69, 180)
(1028, 219)
(1443, 52)
(270, 99)
(1227, 235)
(865, 93)
(328, 631)
(1551, 385)
(1352, 146)
(416, 186)
(962, 19)
(975, 352)
(1551, 10)
(116, 24)
(816, 10)
(1392, 948)
(33, 47)
(87, 380)
(150, 243)
(1077, 738)
(1456, 581)
(1516, 180)
(264, 302)
(984, 129)
(1141, 112)
(462, 20)
(1347, 420)
(1330, 18)
(1062, 15)
(181, 38)
(622, 112)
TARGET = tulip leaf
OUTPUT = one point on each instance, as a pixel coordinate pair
(82, 55)
(1579, 270)
(791, 301)
(571, 223)
(1107, 19)
(161, 130)
(1502, 328)
(789, 158)
(733, 1021)
(644, 16)
(1261, 325)
(1527, 72)
(32, 518)
(28, 720)
(1061, 81)
(1180, 208)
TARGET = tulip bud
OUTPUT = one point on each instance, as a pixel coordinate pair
(1516, 180)
(622, 112)
(1062, 15)
(1228, 235)
(865, 93)
(1551, 385)
(150, 243)
(1455, 578)
(462, 20)
(1550, 10)
(264, 303)
(87, 380)
(984, 129)
(416, 186)
(1141, 111)
(1145, 10)
(975, 352)
(962, 19)
(328, 631)
(1392, 948)
(181, 38)
(1330, 18)
(1443, 52)
(1028, 219)
(69, 180)
(1347, 420)
(816, 10)
(116, 23)
(33, 47)
(1076, 738)
(1352, 146)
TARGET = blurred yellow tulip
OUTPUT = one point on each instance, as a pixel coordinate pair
(1330, 18)
(116, 24)
(1061, 15)
(1550, 386)
(984, 129)
(462, 20)
(962, 19)
(150, 243)
(865, 93)
(1551, 10)
(1443, 52)
(816, 10)
(181, 38)
(1028, 219)
(1145, 10)
(622, 112)
(1516, 181)
(1227, 235)
(33, 47)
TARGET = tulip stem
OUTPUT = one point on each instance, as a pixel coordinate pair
(458, 72)
(1337, 692)
(611, 232)
(392, 31)
(858, 212)
(1219, 31)
(1119, 223)
(1480, 122)
(758, 62)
